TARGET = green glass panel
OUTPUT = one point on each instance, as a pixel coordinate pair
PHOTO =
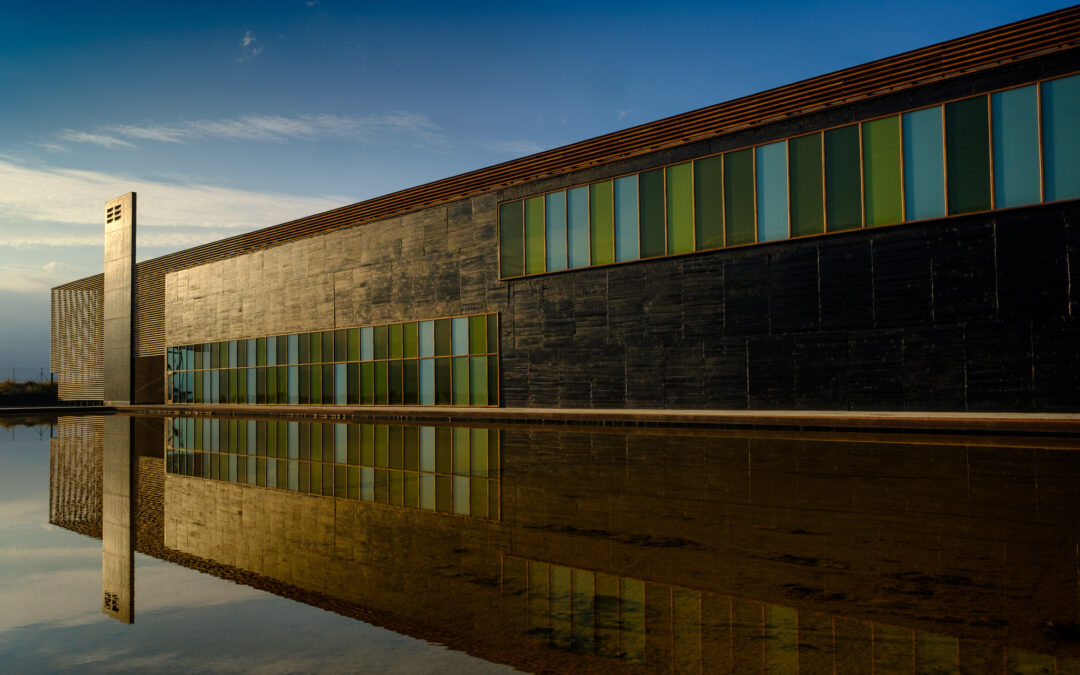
(282, 385)
(442, 337)
(651, 208)
(771, 169)
(461, 381)
(680, 209)
(443, 445)
(478, 334)
(577, 217)
(260, 386)
(354, 344)
(1061, 137)
(396, 453)
(601, 224)
(198, 386)
(367, 444)
(461, 437)
(967, 155)
(232, 387)
(924, 165)
(427, 491)
(444, 495)
(442, 382)
(382, 341)
(382, 445)
(478, 378)
(282, 350)
(394, 384)
(411, 448)
(709, 202)
(341, 345)
(260, 351)
(493, 380)
(807, 188)
(626, 218)
(1014, 118)
(555, 228)
(410, 381)
(328, 345)
(492, 333)
(328, 383)
(535, 250)
(843, 179)
(511, 240)
(410, 489)
(632, 620)
(305, 385)
(382, 395)
(881, 171)
(316, 397)
(397, 346)
(315, 340)
(303, 349)
(411, 331)
(353, 384)
(367, 383)
(739, 222)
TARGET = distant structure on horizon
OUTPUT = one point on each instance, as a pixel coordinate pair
(899, 235)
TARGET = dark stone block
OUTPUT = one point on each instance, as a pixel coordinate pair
(902, 287)
(793, 288)
(875, 360)
(1032, 271)
(1057, 366)
(820, 364)
(933, 370)
(963, 272)
(746, 294)
(847, 285)
(724, 375)
(771, 372)
(998, 366)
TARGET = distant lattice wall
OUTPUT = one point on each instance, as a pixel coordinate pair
(77, 355)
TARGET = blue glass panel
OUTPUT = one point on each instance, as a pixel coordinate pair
(626, 218)
(427, 382)
(251, 352)
(427, 338)
(460, 335)
(1061, 137)
(555, 214)
(427, 491)
(924, 164)
(577, 217)
(294, 384)
(232, 353)
(206, 356)
(271, 351)
(341, 380)
(294, 350)
(1014, 128)
(772, 191)
(367, 343)
(367, 484)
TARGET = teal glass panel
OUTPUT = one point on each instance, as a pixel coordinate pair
(881, 171)
(772, 191)
(427, 449)
(251, 385)
(739, 217)
(652, 208)
(442, 337)
(293, 349)
(555, 220)
(1061, 137)
(411, 337)
(271, 351)
(535, 250)
(601, 223)
(511, 240)
(427, 491)
(427, 382)
(206, 354)
(709, 203)
(807, 185)
(626, 218)
(341, 382)
(967, 155)
(367, 343)
(382, 395)
(382, 342)
(460, 328)
(577, 217)
(843, 179)
(232, 354)
(924, 165)
(1014, 120)
(679, 182)
(427, 338)
(294, 385)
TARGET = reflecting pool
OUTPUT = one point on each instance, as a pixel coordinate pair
(292, 545)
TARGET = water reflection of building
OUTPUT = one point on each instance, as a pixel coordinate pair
(678, 551)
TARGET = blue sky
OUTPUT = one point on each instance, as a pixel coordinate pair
(227, 117)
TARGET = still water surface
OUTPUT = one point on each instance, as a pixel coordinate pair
(278, 545)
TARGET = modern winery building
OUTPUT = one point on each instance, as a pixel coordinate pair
(899, 235)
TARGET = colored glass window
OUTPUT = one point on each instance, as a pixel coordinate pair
(328, 345)
(427, 382)
(382, 394)
(967, 155)
(410, 382)
(303, 351)
(709, 202)
(442, 337)
(460, 329)
(739, 197)
(382, 342)
(881, 171)
(478, 379)
(807, 185)
(924, 164)
(341, 384)
(353, 351)
(843, 179)
(341, 345)
(555, 226)
(1061, 137)
(353, 383)
(680, 208)
(770, 167)
(477, 334)
(316, 383)
(492, 333)
(397, 341)
(461, 381)
(394, 383)
(271, 351)
(442, 382)
(651, 208)
(601, 223)
(367, 343)
(367, 383)
(577, 216)
(315, 344)
(1014, 118)
(328, 383)
(427, 338)
(535, 250)
(511, 240)
(626, 218)
(293, 349)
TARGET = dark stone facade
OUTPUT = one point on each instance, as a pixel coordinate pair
(976, 313)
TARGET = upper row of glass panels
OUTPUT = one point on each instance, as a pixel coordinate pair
(1010, 148)
(455, 336)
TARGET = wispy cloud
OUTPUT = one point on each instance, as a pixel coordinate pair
(249, 51)
(515, 148)
(622, 114)
(411, 126)
(16, 278)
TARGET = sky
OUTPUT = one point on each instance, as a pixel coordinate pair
(229, 117)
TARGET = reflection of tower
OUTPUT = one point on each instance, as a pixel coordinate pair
(117, 540)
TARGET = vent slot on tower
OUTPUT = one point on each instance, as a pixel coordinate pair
(113, 213)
